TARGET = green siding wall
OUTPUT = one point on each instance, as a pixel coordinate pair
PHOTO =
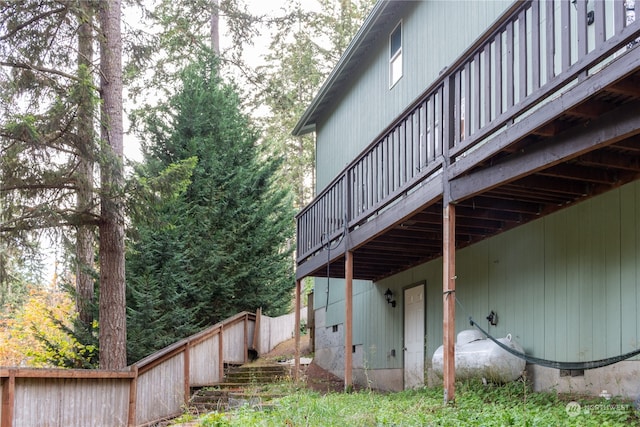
(435, 33)
(567, 287)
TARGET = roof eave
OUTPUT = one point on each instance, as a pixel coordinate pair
(304, 125)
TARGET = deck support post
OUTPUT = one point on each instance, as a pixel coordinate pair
(296, 374)
(348, 323)
(449, 300)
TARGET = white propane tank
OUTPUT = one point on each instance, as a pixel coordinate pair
(476, 357)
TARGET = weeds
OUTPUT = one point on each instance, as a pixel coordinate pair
(513, 404)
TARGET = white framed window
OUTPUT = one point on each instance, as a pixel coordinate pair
(395, 55)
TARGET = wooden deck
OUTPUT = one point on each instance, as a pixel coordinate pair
(527, 121)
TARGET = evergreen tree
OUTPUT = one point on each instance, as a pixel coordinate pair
(47, 104)
(223, 244)
(303, 51)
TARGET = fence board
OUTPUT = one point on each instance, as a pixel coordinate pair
(274, 330)
(43, 402)
(234, 333)
(204, 361)
(160, 391)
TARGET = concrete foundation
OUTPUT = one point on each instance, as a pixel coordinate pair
(620, 379)
(379, 379)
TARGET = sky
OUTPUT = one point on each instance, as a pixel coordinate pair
(252, 54)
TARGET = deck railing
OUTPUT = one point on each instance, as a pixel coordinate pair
(534, 52)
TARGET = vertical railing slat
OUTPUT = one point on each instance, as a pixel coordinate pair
(599, 17)
(457, 104)
(403, 152)
(510, 77)
(359, 184)
(486, 78)
(535, 45)
(416, 142)
(395, 153)
(448, 112)
(582, 29)
(374, 182)
(468, 100)
(354, 193)
(385, 173)
(619, 16)
(438, 117)
(408, 130)
(497, 81)
(522, 56)
(551, 39)
(370, 180)
(565, 34)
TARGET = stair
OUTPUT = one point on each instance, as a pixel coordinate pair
(244, 385)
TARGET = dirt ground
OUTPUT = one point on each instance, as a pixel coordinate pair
(314, 376)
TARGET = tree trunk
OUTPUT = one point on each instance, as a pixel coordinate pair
(113, 334)
(85, 232)
(215, 26)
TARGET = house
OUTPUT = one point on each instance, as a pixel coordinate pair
(478, 157)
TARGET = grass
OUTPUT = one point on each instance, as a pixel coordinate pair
(476, 405)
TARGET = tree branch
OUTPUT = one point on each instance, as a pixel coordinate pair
(31, 21)
(32, 67)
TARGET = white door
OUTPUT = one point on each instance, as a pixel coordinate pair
(414, 337)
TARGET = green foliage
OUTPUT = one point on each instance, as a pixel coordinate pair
(512, 404)
(78, 349)
(47, 97)
(220, 244)
(45, 332)
(17, 272)
(215, 419)
(304, 49)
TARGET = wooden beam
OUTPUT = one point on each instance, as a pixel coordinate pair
(133, 398)
(256, 331)
(449, 301)
(606, 130)
(246, 338)
(221, 354)
(186, 369)
(348, 323)
(630, 87)
(296, 374)
(67, 373)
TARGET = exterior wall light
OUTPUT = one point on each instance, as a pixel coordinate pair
(590, 14)
(388, 295)
(493, 318)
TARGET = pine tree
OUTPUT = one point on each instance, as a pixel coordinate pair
(223, 244)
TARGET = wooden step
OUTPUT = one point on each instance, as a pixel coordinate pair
(252, 374)
(242, 387)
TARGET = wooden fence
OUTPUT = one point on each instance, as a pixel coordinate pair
(152, 389)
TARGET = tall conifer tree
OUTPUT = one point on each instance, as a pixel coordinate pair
(223, 244)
